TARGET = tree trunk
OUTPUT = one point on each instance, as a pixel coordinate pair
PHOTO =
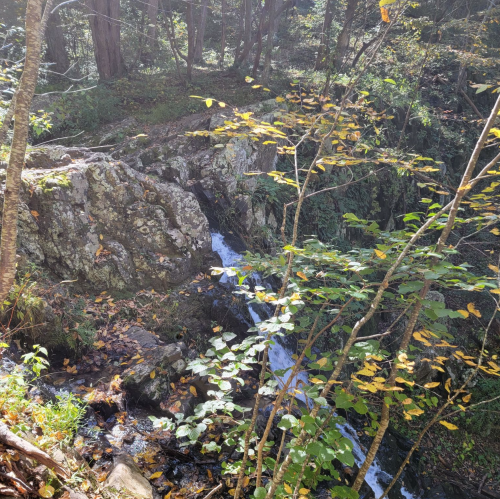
(200, 35)
(223, 34)
(24, 96)
(104, 22)
(151, 22)
(191, 39)
(240, 33)
(258, 52)
(270, 38)
(56, 45)
(324, 44)
(247, 34)
(345, 34)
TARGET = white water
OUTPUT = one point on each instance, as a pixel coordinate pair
(281, 358)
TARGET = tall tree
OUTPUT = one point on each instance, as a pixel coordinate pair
(24, 96)
(345, 35)
(151, 20)
(200, 35)
(324, 44)
(270, 37)
(104, 22)
(56, 45)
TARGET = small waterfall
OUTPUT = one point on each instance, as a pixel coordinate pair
(281, 358)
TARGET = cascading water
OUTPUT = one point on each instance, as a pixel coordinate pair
(281, 358)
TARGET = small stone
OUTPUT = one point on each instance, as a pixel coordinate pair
(126, 477)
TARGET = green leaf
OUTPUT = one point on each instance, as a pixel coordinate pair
(260, 493)
(382, 3)
(389, 80)
(298, 455)
(287, 421)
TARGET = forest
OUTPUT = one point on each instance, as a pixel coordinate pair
(250, 249)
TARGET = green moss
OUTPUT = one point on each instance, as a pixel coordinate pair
(52, 180)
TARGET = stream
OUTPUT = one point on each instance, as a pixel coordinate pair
(281, 358)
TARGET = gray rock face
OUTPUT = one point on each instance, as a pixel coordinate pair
(126, 477)
(109, 226)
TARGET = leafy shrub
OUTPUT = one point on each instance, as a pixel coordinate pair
(86, 110)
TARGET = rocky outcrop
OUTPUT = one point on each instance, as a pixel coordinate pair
(212, 168)
(98, 221)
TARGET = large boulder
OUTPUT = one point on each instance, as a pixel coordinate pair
(98, 221)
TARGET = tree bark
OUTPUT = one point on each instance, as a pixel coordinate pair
(56, 45)
(258, 52)
(345, 34)
(24, 96)
(247, 34)
(270, 37)
(12, 440)
(223, 34)
(200, 35)
(322, 57)
(104, 22)
(151, 20)
(191, 39)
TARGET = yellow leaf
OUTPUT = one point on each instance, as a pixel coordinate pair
(99, 251)
(464, 313)
(495, 291)
(495, 231)
(380, 254)
(47, 491)
(365, 372)
(449, 425)
(304, 491)
(156, 475)
(193, 391)
(231, 492)
(152, 374)
(35, 213)
(209, 102)
(494, 268)
(246, 481)
(280, 99)
(222, 104)
(66, 362)
(98, 300)
(316, 381)
(288, 489)
(415, 412)
(407, 401)
(467, 397)
(302, 276)
(322, 362)
(385, 15)
(432, 385)
(472, 309)
(437, 368)
(447, 385)
(216, 329)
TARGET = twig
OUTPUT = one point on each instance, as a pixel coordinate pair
(20, 482)
(481, 485)
(214, 491)
(60, 138)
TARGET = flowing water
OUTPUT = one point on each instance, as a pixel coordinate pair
(281, 358)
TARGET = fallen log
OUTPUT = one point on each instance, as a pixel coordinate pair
(29, 450)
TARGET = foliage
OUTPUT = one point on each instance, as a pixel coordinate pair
(58, 420)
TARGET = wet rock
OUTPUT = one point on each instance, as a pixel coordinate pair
(127, 478)
(138, 380)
